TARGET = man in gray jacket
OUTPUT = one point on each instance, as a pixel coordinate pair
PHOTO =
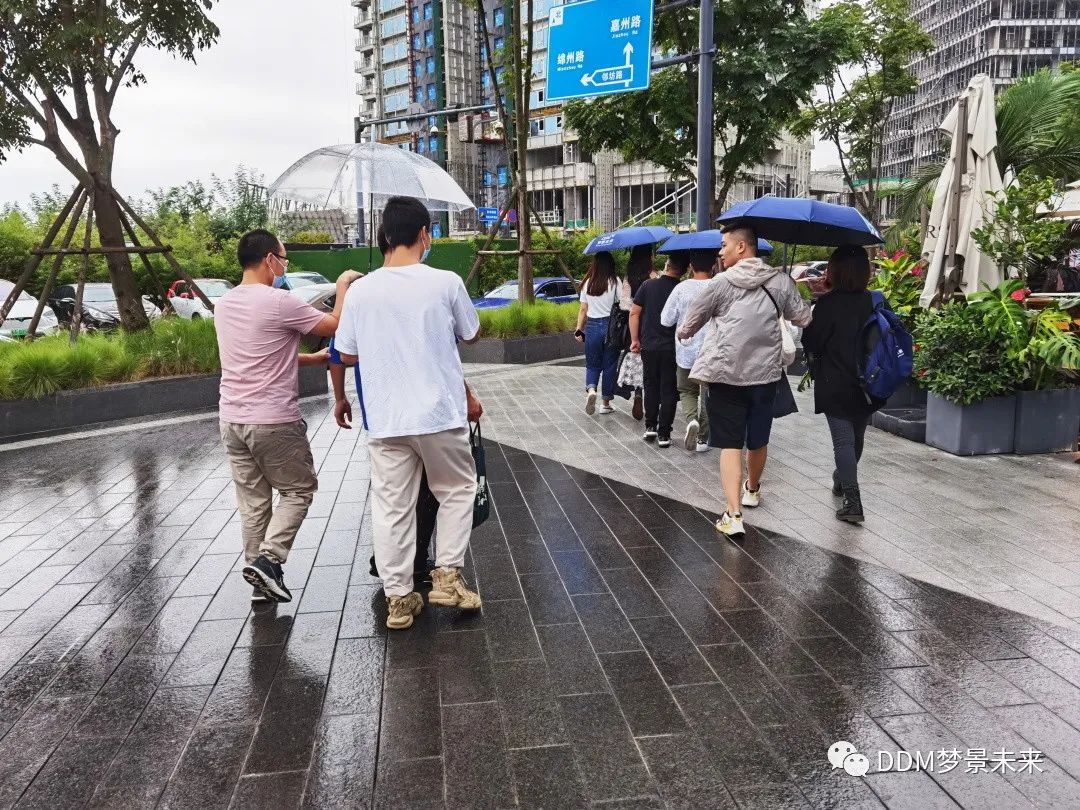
(741, 362)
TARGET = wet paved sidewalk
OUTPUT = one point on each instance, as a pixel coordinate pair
(1003, 528)
(625, 655)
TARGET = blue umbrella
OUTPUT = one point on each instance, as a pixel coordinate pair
(628, 238)
(797, 221)
(705, 240)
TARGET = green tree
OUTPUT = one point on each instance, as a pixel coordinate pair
(883, 39)
(1038, 120)
(769, 57)
(62, 64)
(1014, 235)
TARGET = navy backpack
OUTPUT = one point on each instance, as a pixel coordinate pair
(884, 352)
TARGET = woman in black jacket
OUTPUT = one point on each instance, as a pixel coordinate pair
(831, 342)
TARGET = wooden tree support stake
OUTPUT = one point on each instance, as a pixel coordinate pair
(46, 291)
(76, 315)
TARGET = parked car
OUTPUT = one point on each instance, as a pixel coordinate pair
(22, 312)
(298, 281)
(188, 305)
(812, 274)
(99, 307)
(557, 290)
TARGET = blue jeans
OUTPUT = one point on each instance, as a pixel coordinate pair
(600, 358)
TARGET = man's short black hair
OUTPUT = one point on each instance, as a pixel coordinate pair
(402, 220)
(740, 230)
(680, 260)
(254, 246)
(702, 261)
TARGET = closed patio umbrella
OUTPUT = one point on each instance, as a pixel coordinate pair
(962, 199)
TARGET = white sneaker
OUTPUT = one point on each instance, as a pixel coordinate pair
(730, 525)
(590, 403)
(605, 409)
(650, 435)
(690, 441)
(702, 447)
(751, 497)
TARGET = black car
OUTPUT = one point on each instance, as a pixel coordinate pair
(99, 307)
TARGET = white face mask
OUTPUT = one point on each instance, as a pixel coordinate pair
(427, 252)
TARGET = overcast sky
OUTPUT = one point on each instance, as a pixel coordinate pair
(277, 85)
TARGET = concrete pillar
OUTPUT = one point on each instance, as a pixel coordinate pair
(605, 189)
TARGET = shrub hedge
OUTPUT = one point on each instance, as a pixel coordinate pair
(171, 347)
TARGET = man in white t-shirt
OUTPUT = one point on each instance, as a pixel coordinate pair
(400, 326)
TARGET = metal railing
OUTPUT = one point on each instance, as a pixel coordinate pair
(663, 205)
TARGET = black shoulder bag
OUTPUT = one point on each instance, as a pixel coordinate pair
(482, 504)
(784, 403)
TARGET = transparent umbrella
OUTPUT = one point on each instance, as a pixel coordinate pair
(351, 177)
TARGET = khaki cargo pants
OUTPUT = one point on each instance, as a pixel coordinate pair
(265, 458)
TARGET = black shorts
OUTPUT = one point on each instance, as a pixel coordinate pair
(740, 415)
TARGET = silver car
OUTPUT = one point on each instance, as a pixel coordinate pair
(18, 320)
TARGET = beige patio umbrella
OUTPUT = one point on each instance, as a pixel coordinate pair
(962, 199)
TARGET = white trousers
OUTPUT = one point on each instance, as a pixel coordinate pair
(397, 465)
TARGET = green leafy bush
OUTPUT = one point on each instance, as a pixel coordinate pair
(958, 358)
(171, 347)
(900, 278)
(541, 318)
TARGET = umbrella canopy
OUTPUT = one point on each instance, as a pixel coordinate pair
(705, 240)
(362, 175)
(981, 179)
(628, 238)
(798, 221)
(1065, 205)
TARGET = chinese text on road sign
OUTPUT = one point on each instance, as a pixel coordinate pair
(599, 47)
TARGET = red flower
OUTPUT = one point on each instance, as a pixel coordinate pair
(1019, 295)
(916, 346)
(898, 255)
(922, 372)
(917, 270)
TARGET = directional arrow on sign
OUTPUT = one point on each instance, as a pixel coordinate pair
(627, 68)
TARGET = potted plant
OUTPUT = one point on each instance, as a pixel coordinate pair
(900, 279)
(1041, 341)
(970, 378)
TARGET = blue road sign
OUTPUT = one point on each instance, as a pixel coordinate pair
(487, 216)
(598, 48)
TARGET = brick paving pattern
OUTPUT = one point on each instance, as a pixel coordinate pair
(625, 655)
(1003, 528)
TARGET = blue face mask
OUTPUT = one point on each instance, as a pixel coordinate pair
(425, 254)
(279, 281)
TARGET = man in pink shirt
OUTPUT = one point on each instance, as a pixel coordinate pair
(259, 328)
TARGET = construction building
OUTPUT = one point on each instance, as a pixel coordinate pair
(420, 55)
(1004, 39)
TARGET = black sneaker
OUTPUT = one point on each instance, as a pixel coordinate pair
(266, 575)
(663, 441)
(258, 597)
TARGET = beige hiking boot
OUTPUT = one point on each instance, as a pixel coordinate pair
(448, 588)
(402, 609)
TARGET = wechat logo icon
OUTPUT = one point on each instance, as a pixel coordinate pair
(843, 755)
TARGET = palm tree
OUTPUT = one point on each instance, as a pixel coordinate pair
(1038, 130)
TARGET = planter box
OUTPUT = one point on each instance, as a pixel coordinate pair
(910, 423)
(984, 428)
(67, 410)
(534, 349)
(908, 395)
(1047, 421)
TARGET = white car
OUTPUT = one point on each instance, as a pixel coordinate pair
(188, 305)
(18, 320)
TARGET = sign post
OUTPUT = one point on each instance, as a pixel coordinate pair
(599, 48)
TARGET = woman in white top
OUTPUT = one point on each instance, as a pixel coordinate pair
(599, 296)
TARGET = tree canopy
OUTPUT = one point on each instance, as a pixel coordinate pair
(62, 64)
(769, 57)
(882, 38)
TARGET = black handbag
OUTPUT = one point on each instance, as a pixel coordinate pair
(784, 402)
(618, 325)
(482, 504)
